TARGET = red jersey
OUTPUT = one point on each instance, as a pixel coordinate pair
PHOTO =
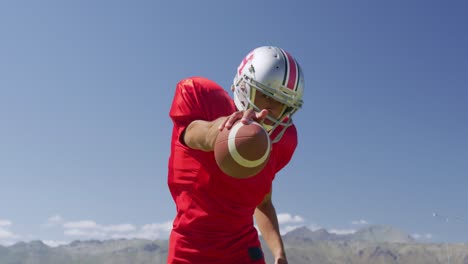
(214, 221)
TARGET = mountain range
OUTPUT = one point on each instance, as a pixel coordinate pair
(372, 244)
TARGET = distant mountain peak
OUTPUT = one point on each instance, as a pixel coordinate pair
(300, 231)
(32, 245)
(342, 250)
(304, 234)
(383, 233)
(373, 233)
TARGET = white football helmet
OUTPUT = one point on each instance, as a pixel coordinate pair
(274, 72)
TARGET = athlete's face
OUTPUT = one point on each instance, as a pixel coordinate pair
(275, 108)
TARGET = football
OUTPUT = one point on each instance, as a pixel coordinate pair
(242, 151)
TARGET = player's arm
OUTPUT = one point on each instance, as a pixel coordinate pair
(267, 221)
(201, 134)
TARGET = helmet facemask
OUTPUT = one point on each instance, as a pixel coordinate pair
(245, 91)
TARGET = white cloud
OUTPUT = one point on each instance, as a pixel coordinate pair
(342, 231)
(5, 234)
(360, 222)
(53, 221)
(286, 218)
(86, 224)
(119, 228)
(5, 223)
(155, 230)
(88, 229)
(91, 225)
(87, 234)
(55, 243)
(427, 236)
(7, 237)
(288, 222)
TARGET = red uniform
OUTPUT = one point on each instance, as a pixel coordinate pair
(214, 221)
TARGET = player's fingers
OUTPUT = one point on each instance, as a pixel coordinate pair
(223, 124)
(229, 122)
(248, 116)
(260, 116)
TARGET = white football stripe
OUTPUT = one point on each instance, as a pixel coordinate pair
(235, 154)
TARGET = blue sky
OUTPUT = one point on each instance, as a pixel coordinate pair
(86, 86)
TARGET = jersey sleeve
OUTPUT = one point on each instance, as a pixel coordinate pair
(185, 106)
(198, 98)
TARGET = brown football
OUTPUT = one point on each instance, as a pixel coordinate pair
(243, 150)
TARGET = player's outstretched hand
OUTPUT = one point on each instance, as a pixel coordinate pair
(245, 116)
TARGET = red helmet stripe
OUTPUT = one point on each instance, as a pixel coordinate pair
(286, 66)
(292, 72)
(292, 78)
